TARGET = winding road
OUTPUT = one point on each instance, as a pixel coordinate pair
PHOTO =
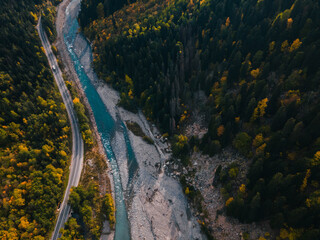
(77, 142)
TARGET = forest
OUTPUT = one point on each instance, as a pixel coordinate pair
(34, 128)
(257, 62)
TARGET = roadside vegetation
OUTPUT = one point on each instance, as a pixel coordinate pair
(84, 122)
(48, 22)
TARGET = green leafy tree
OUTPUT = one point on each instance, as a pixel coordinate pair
(242, 143)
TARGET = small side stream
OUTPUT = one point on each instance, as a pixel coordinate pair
(105, 123)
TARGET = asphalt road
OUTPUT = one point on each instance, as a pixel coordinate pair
(77, 142)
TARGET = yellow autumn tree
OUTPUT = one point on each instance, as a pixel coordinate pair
(255, 73)
(35, 17)
(305, 180)
(178, 148)
(227, 22)
(129, 81)
(295, 45)
(24, 223)
(316, 159)
(190, 3)
(130, 94)
(258, 140)
(259, 144)
(260, 150)
(289, 22)
(182, 140)
(183, 117)
(220, 130)
(260, 110)
(109, 208)
(17, 198)
(242, 188)
(229, 201)
(76, 100)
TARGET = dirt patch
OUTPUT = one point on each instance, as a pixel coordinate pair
(222, 226)
(95, 169)
(195, 130)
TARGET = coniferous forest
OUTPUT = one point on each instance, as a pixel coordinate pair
(257, 63)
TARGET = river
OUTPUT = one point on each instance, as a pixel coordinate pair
(106, 124)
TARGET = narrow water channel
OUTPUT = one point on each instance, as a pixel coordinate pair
(105, 123)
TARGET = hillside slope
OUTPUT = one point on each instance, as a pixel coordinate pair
(257, 63)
